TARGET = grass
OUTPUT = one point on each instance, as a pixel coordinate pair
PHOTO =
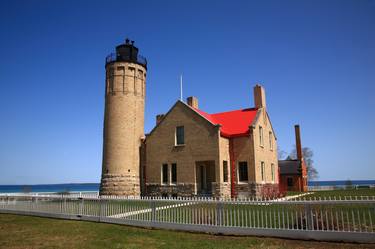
(336, 193)
(344, 193)
(33, 232)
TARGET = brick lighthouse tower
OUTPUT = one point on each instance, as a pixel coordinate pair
(123, 121)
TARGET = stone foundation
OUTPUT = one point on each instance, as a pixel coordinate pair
(179, 190)
(258, 190)
(221, 190)
(125, 185)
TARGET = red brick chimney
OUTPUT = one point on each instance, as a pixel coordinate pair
(298, 142)
(159, 117)
(192, 101)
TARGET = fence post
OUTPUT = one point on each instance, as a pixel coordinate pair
(308, 217)
(81, 206)
(31, 204)
(153, 211)
(100, 208)
(219, 211)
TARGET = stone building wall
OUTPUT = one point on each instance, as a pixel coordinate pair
(265, 153)
(223, 189)
(201, 144)
(204, 143)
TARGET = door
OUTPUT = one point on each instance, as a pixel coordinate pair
(203, 179)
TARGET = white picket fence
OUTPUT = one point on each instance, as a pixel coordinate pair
(347, 219)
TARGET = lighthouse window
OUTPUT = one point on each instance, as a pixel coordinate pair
(140, 74)
(180, 135)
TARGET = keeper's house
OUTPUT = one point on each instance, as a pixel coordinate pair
(226, 154)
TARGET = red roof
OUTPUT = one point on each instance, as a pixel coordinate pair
(233, 123)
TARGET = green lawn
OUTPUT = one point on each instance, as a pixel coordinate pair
(337, 193)
(33, 232)
(344, 192)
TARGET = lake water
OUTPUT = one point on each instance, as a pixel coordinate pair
(84, 187)
(341, 183)
(71, 187)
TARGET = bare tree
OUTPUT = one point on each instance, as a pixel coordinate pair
(307, 154)
(281, 154)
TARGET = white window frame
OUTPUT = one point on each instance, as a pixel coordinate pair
(270, 140)
(175, 137)
(273, 172)
(261, 138)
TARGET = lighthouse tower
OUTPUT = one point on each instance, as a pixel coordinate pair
(123, 121)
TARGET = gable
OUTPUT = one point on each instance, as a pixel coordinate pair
(188, 110)
(266, 118)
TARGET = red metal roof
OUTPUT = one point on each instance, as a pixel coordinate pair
(233, 123)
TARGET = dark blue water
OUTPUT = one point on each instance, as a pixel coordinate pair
(70, 187)
(83, 187)
(341, 183)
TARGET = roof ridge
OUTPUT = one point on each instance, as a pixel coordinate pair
(244, 109)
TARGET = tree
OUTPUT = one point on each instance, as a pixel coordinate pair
(307, 154)
(281, 154)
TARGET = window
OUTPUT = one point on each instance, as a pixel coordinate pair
(262, 171)
(270, 138)
(110, 80)
(174, 173)
(261, 135)
(273, 172)
(180, 136)
(164, 173)
(290, 181)
(242, 172)
(225, 171)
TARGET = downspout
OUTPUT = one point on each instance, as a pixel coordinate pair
(233, 192)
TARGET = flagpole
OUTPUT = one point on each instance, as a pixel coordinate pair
(181, 87)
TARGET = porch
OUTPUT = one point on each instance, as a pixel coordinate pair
(204, 177)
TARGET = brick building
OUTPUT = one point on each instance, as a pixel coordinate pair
(227, 154)
(293, 172)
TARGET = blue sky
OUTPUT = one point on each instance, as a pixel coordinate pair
(316, 60)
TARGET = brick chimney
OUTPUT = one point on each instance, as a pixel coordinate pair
(159, 117)
(192, 101)
(298, 142)
(259, 96)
